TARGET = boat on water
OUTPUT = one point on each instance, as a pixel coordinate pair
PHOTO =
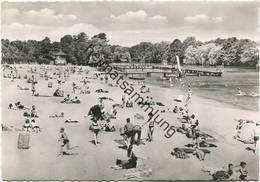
(136, 78)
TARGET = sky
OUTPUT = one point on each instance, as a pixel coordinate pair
(128, 23)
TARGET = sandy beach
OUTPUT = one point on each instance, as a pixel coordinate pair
(41, 160)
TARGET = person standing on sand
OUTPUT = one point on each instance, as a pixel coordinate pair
(33, 87)
(95, 128)
(73, 87)
(128, 131)
(256, 135)
(150, 127)
(188, 100)
(64, 142)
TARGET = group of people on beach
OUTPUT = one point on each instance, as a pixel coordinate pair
(102, 119)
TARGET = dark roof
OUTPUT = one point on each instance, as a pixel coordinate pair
(60, 53)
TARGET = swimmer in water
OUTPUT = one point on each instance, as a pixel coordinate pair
(239, 92)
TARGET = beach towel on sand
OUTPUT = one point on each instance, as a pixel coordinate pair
(23, 141)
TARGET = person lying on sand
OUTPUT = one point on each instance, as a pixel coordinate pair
(75, 100)
(18, 105)
(221, 174)
(22, 88)
(66, 99)
(101, 91)
(61, 115)
(70, 121)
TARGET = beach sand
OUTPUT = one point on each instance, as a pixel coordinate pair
(90, 162)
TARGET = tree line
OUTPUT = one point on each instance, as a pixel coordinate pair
(81, 49)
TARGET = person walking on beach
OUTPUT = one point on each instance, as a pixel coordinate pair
(73, 87)
(33, 87)
(64, 142)
(150, 127)
(128, 131)
(188, 100)
(95, 128)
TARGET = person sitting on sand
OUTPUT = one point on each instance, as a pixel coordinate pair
(242, 171)
(175, 110)
(35, 127)
(22, 88)
(12, 106)
(64, 142)
(67, 99)
(34, 112)
(59, 81)
(126, 164)
(75, 100)
(152, 101)
(129, 103)
(108, 126)
(27, 125)
(20, 106)
(113, 112)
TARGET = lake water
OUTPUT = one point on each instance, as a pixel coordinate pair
(222, 89)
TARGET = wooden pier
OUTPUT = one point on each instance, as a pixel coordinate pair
(165, 70)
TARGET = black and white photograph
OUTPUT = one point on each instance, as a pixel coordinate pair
(130, 90)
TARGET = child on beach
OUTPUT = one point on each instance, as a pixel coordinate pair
(27, 125)
(35, 127)
(64, 142)
(95, 128)
(150, 128)
(34, 112)
(242, 171)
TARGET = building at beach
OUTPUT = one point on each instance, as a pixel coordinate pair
(60, 58)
